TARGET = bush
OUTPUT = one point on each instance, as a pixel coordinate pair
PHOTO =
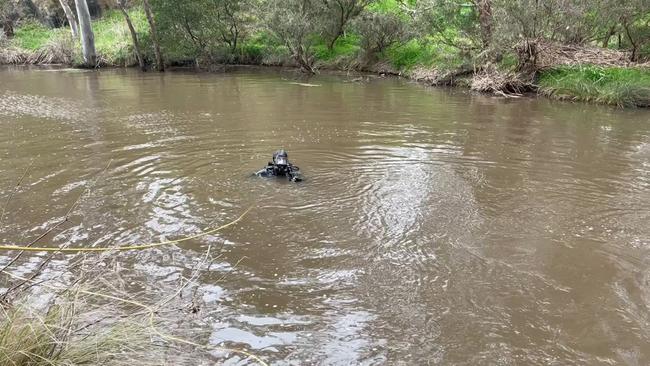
(345, 46)
(379, 31)
(425, 53)
(263, 48)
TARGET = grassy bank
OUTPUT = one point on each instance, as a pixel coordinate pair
(34, 43)
(625, 87)
(429, 59)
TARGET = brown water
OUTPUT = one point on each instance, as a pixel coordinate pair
(433, 227)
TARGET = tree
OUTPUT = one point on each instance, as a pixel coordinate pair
(565, 21)
(485, 20)
(134, 35)
(379, 31)
(230, 20)
(7, 17)
(338, 14)
(296, 23)
(454, 23)
(204, 29)
(632, 20)
(86, 32)
(160, 65)
(72, 21)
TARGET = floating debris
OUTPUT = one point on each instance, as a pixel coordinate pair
(305, 84)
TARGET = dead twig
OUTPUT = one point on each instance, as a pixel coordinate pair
(13, 192)
(506, 84)
(540, 54)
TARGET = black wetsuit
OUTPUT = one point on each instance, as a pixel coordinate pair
(290, 171)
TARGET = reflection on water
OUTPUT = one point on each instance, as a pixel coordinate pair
(434, 226)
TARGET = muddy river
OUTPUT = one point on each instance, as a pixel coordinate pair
(433, 226)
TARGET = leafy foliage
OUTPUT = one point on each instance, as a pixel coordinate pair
(378, 31)
(405, 35)
(202, 29)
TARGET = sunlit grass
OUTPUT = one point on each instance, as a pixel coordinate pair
(112, 38)
(33, 36)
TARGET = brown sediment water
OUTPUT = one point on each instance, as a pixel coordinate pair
(433, 226)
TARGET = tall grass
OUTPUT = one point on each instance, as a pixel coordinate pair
(112, 41)
(625, 87)
(61, 334)
(32, 36)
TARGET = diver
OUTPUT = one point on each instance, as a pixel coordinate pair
(281, 167)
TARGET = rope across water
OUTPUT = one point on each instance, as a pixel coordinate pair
(126, 247)
(148, 308)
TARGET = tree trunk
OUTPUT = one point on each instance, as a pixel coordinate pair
(8, 28)
(330, 44)
(71, 18)
(134, 35)
(608, 36)
(86, 32)
(339, 29)
(485, 20)
(635, 46)
(305, 62)
(154, 36)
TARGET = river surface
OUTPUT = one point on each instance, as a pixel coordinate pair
(433, 226)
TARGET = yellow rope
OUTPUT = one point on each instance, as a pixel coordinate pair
(152, 313)
(125, 247)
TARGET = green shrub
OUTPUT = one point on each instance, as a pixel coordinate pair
(426, 54)
(263, 48)
(406, 56)
(347, 45)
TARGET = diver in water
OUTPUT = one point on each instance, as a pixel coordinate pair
(280, 167)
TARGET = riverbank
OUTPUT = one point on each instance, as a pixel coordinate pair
(624, 87)
(584, 80)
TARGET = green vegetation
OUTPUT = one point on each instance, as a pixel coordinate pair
(262, 48)
(427, 54)
(625, 87)
(112, 38)
(346, 46)
(33, 36)
(446, 41)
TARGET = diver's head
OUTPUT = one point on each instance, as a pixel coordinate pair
(281, 158)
